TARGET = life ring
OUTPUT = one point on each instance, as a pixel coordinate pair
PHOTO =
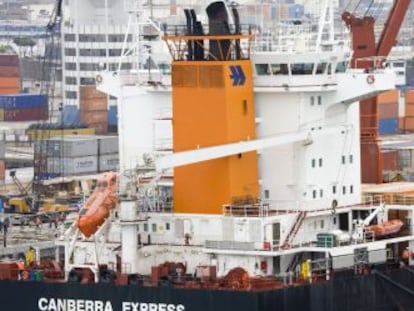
(370, 79)
(98, 79)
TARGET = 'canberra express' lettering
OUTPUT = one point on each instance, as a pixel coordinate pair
(57, 304)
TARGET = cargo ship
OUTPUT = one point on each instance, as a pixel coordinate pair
(255, 204)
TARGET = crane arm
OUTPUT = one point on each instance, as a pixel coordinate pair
(392, 26)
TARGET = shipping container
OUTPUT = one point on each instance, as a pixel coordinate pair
(296, 11)
(388, 97)
(388, 110)
(390, 160)
(409, 96)
(28, 114)
(88, 92)
(108, 162)
(10, 82)
(70, 115)
(113, 116)
(2, 170)
(23, 101)
(72, 146)
(93, 117)
(100, 128)
(9, 90)
(1, 114)
(409, 109)
(408, 124)
(9, 60)
(95, 104)
(388, 126)
(35, 134)
(2, 149)
(108, 144)
(72, 166)
(9, 71)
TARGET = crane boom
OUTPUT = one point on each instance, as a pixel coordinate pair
(391, 28)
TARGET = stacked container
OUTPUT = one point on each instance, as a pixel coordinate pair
(388, 112)
(9, 74)
(75, 155)
(23, 107)
(93, 108)
(113, 118)
(2, 161)
(407, 122)
(108, 153)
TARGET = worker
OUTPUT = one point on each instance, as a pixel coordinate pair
(20, 267)
(6, 224)
(30, 256)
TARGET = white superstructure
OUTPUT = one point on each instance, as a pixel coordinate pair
(307, 126)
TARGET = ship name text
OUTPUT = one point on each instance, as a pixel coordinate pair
(60, 304)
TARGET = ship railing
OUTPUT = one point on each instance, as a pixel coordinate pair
(391, 198)
(231, 245)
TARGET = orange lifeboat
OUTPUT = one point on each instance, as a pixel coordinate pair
(386, 228)
(96, 210)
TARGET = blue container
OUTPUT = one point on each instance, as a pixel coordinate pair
(23, 101)
(273, 11)
(70, 115)
(113, 116)
(296, 11)
(388, 126)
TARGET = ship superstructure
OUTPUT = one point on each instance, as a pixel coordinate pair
(266, 151)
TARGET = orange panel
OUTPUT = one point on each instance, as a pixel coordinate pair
(409, 123)
(388, 110)
(92, 117)
(9, 82)
(388, 97)
(371, 163)
(409, 109)
(209, 110)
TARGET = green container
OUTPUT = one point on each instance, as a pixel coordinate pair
(325, 240)
(39, 275)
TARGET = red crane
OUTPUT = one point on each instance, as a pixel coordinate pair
(369, 54)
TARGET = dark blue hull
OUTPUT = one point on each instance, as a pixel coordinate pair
(378, 291)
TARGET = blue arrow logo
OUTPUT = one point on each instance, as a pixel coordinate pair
(237, 75)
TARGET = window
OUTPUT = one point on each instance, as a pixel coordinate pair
(334, 220)
(322, 223)
(71, 94)
(70, 66)
(341, 67)
(320, 162)
(321, 68)
(88, 67)
(262, 69)
(70, 37)
(302, 69)
(314, 194)
(87, 81)
(167, 226)
(154, 227)
(92, 52)
(92, 38)
(70, 80)
(334, 189)
(145, 227)
(351, 158)
(119, 38)
(312, 100)
(343, 160)
(313, 162)
(343, 190)
(138, 227)
(266, 194)
(280, 69)
(70, 52)
(321, 193)
(319, 100)
(351, 189)
(115, 52)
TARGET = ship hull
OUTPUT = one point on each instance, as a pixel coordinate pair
(385, 291)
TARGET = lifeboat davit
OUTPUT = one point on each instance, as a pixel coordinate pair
(386, 228)
(96, 210)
